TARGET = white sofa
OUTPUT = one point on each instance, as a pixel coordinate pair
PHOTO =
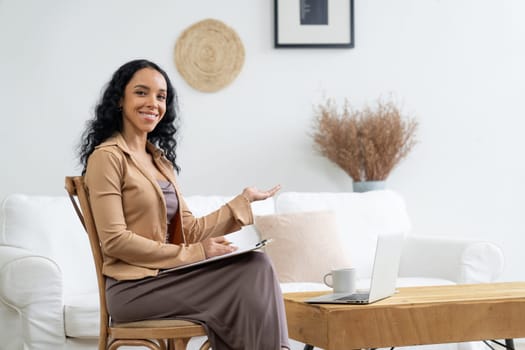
(48, 291)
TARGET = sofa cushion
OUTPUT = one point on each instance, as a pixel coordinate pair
(306, 244)
(360, 218)
(82, 315)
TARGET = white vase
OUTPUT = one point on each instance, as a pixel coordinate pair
(365, 186)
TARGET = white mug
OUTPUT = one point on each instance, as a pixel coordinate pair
(343, 280)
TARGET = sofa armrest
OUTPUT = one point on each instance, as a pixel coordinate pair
(31, 288)
(457, 260)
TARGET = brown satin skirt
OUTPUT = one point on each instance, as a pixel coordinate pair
(238, 300)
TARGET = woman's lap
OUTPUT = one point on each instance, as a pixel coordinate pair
(237, 298)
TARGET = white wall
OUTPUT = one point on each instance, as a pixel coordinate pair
(456, 65)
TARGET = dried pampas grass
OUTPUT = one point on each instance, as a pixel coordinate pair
(367, 144)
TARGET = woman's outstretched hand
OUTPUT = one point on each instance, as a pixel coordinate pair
(252, 194)
(215, 246)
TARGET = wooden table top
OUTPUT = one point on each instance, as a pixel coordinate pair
(431, 294)
(412, 316)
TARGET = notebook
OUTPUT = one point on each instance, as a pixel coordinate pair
(239, 251)
(384, 275)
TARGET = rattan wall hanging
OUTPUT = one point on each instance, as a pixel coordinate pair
(209, 55)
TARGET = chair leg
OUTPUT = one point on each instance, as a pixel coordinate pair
(103, 341)
(181, 343)
(205, 345)
(162, 344)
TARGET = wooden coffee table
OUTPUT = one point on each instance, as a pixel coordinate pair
(413, 316)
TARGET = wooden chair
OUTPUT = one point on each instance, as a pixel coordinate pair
(153, 334)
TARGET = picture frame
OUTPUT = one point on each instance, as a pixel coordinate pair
(314, 23)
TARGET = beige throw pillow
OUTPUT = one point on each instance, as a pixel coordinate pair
(305, 245)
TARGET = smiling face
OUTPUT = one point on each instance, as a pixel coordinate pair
(144, 102)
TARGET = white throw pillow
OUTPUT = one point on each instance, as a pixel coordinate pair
(305, 245)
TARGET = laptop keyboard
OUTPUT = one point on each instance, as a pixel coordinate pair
(354, 297)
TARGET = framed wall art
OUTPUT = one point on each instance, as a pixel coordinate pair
(314, 23)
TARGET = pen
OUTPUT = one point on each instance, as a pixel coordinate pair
(263, 242)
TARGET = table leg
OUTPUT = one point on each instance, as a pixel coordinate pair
(509, 344)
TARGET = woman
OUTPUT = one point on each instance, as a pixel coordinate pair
(128, 154)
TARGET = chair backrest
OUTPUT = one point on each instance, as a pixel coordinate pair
(77, 192)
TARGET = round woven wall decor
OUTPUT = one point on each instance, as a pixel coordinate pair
(209, 55)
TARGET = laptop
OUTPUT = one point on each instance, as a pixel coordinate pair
(384, 275)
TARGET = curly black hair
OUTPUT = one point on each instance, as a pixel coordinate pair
(108, 115)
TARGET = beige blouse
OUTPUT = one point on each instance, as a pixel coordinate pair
(130, 214)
